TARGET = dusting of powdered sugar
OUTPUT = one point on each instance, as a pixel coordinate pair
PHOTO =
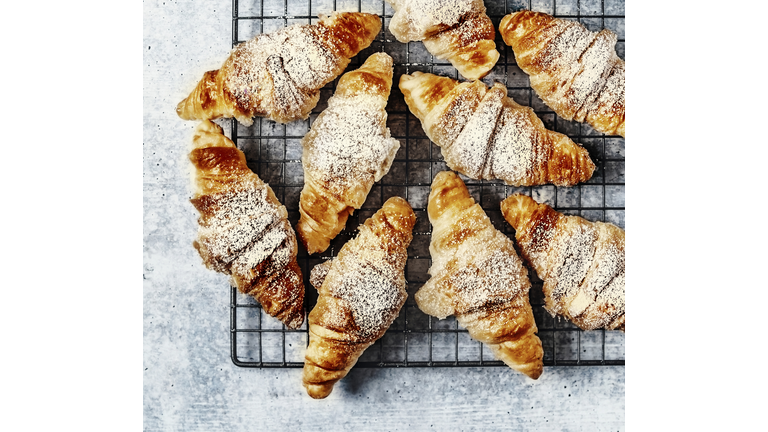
(451, 121)
(318, 273)
(306, 60)
(535, 237)
(607, 262)
(243, 226)
(369, 282)
(470, 151)
(600, 298)
(298, 57)
(349, 145)
(276, 244)
(498, 139)
(373, 297)
(571, 73)
(568, 262)
(610, 102)
(582, 265)
(493, 279)
(417, 19)
(610, 303)
(567, 41)
(595, 64)
(515, 147)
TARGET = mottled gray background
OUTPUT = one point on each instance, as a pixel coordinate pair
(190, 383)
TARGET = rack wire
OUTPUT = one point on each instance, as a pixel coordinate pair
(273, 151)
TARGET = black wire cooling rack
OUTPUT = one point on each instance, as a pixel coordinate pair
(273, 151)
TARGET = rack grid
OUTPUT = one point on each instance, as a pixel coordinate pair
(273, 151)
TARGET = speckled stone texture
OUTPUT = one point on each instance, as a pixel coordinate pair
(190, 383)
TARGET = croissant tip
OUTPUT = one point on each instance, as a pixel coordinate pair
(512, 208)
(313, 241)
(400, 210)
(515, 198)
(397, 201)
(443, 177)
(180, 109)
(535, 374)
(318, 391)
(296, 322)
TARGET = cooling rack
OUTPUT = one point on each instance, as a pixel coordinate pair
(273, 151)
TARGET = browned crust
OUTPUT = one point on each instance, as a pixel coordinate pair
(444, 106)
(323, 212)
(335, 341)
(536, 226)
(220, 170)
(504, 320)
(529, 34)
(342, 34)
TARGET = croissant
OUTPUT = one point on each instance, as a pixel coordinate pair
(360, 294)
(347, 149)
(243, 229)
(580, 262)
(279, 75)
(575, 72)
(484, 134)
(477, 276)
(456, 30)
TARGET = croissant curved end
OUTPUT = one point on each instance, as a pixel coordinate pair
(405, 83)
(318, 391)
(506, 27)
(516, 24)
(532, 371)
(447, 190)
(433, 302)
(486, 60)
(515, 209)
(180, 109)
(356, 29)
(398, 207)
(189, 108)
(397, 214)
(423, 90)
(379, 60)
(209, 134)
(374, 78)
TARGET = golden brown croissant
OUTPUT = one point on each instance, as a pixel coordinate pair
(360, 294)
(279, 75)
(484, 134)
(575, 72)
(348, 149)
(477, 276)
(244, 231)
(580, 262)
(456, 30)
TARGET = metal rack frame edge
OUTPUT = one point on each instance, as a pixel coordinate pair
(406, 363)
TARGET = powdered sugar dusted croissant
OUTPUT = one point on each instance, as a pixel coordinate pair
(244, 231)
(484, 134)
(360, 294)
(575, 72)
(456, 30)
(348, 149)
(477, 276)
(279, 75)
(580, 262)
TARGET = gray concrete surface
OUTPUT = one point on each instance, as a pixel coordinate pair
(190, 383)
